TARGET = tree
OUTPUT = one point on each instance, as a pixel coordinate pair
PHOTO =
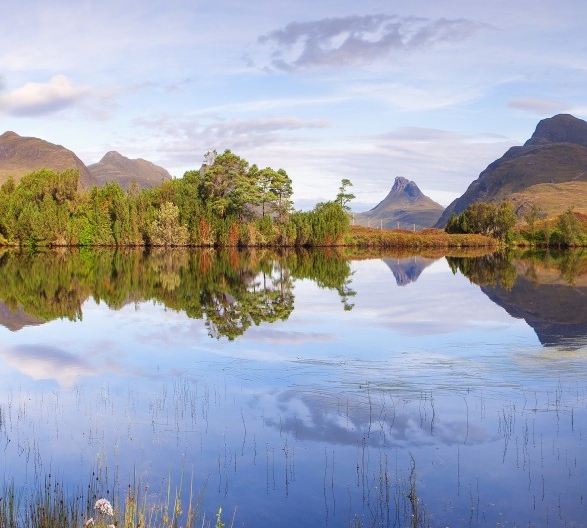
(266, 196)
(485, 219)
(329, 222)
(281, 188)
(225, 186)
(166, 229)
(344, 196)
(505, 220)
(569, 227)
(533, 214)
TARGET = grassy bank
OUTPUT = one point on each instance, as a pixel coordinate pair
(368, 237)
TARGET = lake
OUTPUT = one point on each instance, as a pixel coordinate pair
(302, 388)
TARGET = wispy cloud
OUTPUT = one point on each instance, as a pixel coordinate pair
(540, 106)
(34, 99)
(356, 40)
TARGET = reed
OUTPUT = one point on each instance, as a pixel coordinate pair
(49, 504)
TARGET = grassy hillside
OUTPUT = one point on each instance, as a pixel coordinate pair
(553, 198)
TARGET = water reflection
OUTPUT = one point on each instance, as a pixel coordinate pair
(407, 270)
(546, 289)
(428, 399)
(229, 290)
(232, 291)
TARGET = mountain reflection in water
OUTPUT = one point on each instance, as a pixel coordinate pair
(407, 270)
(232, 290)
(546, 289)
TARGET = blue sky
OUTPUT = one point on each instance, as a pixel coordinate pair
(429, 90)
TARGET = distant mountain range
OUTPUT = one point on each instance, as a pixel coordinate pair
(405, 207)
(550, 170)
(22, 155)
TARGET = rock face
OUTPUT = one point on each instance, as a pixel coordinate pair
(22, 155)
(115, 167)
(405, 206)
(555, 154)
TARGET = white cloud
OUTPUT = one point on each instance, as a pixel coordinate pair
(35, 99)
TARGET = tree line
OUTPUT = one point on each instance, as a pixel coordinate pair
(534, 228)
(225, 203)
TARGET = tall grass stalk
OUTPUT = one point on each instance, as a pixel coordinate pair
(50, 505)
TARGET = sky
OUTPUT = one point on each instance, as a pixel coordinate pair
(429, 90)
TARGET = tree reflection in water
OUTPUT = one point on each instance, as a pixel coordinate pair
(229, 289)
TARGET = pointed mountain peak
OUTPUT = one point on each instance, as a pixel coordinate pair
(404, 186)
(116, 167)
(404, 206)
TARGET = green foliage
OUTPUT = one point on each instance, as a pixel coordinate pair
(570, 229)
(226, 186)
(225, 203)
(166, 229)
(567, 230)
(484, 218)
(533, 214)
(230, 289)
(344, 196)
(329, 222)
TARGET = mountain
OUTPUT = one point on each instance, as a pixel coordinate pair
(22, 155)
(115, 167)
(552, 163)
(405, 206)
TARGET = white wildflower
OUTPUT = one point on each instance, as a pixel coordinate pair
(104, 507)
(89, 522)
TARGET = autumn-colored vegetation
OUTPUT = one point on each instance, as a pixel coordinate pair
(365, 237)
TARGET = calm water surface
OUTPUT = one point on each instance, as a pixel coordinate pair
(305, 390)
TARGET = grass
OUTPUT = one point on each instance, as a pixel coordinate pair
(554, 198)
(50, 505)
